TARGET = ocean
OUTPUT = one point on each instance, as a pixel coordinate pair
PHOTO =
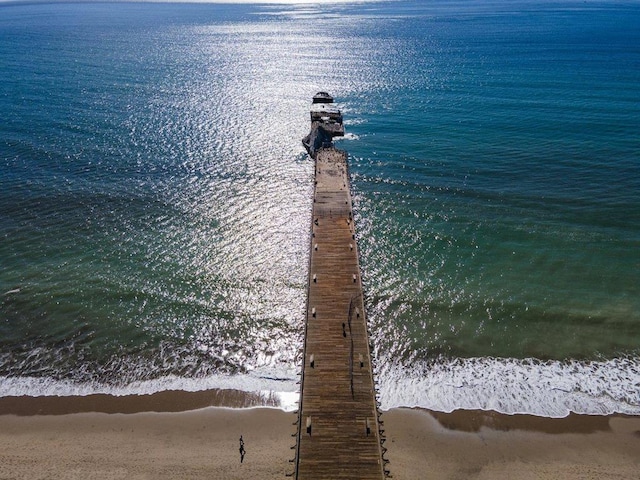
(155, 197)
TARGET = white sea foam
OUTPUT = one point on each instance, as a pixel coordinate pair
(348, 136)
(278, 385)
(550, 388)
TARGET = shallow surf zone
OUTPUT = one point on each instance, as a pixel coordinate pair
(529, 386)
(168, 393)
(551, 389)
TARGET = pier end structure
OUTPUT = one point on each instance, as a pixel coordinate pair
(339, 433)
(326, 123)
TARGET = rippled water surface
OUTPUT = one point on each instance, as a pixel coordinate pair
(155, 197)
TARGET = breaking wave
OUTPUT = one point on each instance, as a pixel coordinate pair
(529, 386)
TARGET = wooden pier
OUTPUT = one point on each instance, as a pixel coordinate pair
(339, 435)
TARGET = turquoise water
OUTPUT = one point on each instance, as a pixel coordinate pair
(156, 197)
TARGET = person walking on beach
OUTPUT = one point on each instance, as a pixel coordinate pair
(242, 450)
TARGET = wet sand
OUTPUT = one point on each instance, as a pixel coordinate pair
(204, 443)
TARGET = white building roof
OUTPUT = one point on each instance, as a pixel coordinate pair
(324, 109)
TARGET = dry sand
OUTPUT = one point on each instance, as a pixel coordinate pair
(205, 444)
(187, 445)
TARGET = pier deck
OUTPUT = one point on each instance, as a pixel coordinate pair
(338, 434)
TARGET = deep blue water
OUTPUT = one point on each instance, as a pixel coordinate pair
(155, 197)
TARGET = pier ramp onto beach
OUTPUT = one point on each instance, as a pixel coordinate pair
(339, 433)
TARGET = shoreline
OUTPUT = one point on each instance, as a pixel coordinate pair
(167, 401)
(203, 443)
(180, 401)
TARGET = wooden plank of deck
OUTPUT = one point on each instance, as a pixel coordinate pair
(337, 392)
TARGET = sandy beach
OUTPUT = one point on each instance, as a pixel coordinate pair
(486, 445)
(204, 443)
